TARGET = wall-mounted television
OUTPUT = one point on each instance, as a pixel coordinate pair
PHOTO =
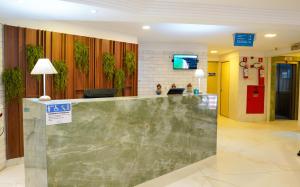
(185, 61)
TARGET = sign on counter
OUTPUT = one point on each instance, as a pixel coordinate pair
(58, 113)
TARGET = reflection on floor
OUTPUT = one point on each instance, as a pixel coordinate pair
(249, 154)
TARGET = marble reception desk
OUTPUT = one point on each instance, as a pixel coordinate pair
(117, 142)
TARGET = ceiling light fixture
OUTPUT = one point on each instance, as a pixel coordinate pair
(270, 35)
(213, 51)
(146, 27)
(93, 11)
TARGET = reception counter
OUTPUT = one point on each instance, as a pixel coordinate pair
(115, 142)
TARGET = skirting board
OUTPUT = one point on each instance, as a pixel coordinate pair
(15, 161)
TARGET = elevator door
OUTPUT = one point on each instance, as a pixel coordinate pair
(286, 91)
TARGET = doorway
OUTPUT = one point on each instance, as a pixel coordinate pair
(213, 77)
(224, 91)
(286, 106)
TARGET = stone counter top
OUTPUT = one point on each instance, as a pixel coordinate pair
(117, 142)
(112, 98)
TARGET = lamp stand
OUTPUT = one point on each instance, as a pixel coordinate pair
(199, 80)
(44, 97)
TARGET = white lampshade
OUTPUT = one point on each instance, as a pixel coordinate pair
(199, 73)
(43, 66)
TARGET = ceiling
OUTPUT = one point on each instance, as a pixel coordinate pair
(207, 22)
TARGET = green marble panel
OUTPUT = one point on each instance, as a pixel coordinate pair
(122, 143)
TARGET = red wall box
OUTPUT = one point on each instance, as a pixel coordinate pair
(255, 99)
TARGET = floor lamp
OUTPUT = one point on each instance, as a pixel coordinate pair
(43, 67)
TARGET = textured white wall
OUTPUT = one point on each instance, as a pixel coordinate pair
(238, 86)
(155, 66)
(252, 80)
(2, 137)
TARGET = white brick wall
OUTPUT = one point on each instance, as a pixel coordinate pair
(2, 138)
(155, 66)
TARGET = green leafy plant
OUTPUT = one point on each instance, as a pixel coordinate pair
(109, 65)
(119, 81)
(81, 53)
(33, 53)
(130, 62)
(60, 79)
(13, 84)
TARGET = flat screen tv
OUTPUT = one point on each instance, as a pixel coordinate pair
(185, 61)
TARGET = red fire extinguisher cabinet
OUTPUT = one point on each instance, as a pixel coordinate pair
(255, 99)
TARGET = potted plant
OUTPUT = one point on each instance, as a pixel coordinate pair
(119, 81)
(109, 63)
(60, 79)
(81, 55)
(13, 84)
(130, 62)
(33, 53)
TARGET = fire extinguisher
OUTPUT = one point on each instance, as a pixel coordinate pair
(246, 71)
(245, 67)
(261, 76)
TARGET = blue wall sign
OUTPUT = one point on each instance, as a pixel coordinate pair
(244, 39)
(54, 108)
(58, 113)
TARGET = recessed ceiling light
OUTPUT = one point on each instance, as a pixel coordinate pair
(213, 51)
(93, 11)
(270, 35)
(146, 27)
(20, 1)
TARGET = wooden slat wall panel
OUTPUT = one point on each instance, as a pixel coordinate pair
(32, 85)
(128, 83)
(57, 46)
(46, 42)
(56, 54)
(81, 80)
(70, 90)
(13, 55)
(91, 81)
(135, 79)
(98, 70)
(22, 66)
(107, 46)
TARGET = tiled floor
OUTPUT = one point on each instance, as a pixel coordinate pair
(249, 155)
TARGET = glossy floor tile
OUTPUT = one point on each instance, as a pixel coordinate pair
(249, 155)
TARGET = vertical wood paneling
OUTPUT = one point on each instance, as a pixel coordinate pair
(81, 80)
(32, 84)
(12, 55)
(98, 69)
(47, 45)
(135, 79)
(91, 81)
(22, 66)
(56, 54)
(106, 48)
(57, 46)
(128, 83)
(70, 90)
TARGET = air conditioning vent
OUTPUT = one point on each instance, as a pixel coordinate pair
(295, 46)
